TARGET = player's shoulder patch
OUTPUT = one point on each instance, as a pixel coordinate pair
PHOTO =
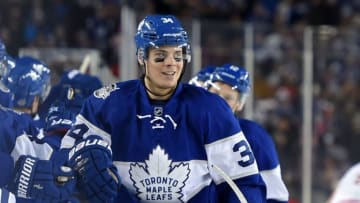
(105, 91)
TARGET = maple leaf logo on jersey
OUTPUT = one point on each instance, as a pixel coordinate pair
(158, 179)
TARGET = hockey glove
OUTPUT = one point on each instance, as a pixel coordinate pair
(98, 179)
(42, 180)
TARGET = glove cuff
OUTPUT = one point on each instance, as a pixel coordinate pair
(90, 142)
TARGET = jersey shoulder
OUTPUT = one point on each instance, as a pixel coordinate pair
(261, 143)
(254, 130)
(210, 111)
(202, 98)
(119, 88)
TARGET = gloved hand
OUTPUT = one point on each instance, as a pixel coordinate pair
(97, 176)
(42, 180)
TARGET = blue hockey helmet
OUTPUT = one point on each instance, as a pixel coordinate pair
(29, 78)
(235, 76)
(202, 76)
(81, 82)
(62, 112)
(43, 70)
(160, 30)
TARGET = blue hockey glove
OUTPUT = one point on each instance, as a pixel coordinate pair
(98, 179)
(42, 180)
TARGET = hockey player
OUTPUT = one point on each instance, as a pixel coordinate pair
(233, 84)
(83, 84)
(29, 81)
(348, 188)
(62, 112)
(202, 76)
(166, 144)
(22, 141)
(25, 167)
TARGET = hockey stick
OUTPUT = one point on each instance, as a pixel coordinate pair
(232, 184)
(85, 64)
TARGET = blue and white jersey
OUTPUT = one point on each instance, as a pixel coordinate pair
(165, 151)
(267, 159)
(20, 136)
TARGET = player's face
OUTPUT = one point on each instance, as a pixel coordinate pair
(225, 91)
(163, 69)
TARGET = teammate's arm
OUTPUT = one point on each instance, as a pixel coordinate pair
(229, 150)
(7, 167)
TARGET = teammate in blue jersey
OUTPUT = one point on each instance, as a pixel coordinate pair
(170, 142)
(25, 166)
(202, 76)
(83, 84)
(29, 81)
(62, 112)
(22, 138)
(232, 83)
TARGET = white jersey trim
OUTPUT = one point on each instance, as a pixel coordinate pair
(275, 186)
(68, 141)
(24, 146)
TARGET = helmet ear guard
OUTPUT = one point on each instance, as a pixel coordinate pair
(140, 56)
(187, 53)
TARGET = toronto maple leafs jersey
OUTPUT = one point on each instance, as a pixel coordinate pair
(267, 159)
(19, 137)
(165, 151)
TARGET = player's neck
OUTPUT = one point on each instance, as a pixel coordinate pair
(157, 93)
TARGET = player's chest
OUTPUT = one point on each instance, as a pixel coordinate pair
(142, 131)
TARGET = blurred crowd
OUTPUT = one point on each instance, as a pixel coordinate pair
(278, 45)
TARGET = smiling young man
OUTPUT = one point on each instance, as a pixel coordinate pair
(167, 145)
